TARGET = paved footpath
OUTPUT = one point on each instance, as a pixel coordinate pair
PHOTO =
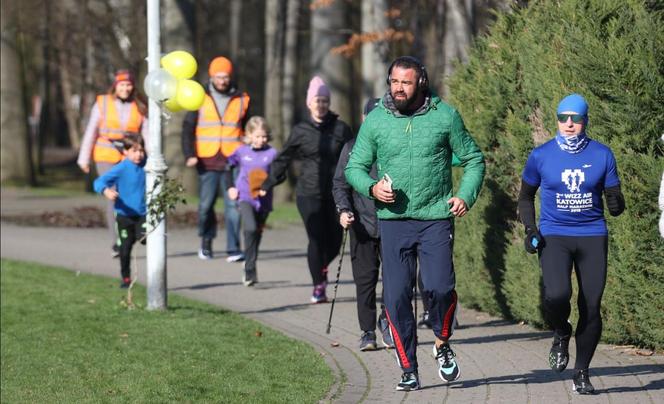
(500, 361)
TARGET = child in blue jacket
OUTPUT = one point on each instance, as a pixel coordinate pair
(128, 177)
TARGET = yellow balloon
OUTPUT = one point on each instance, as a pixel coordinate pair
(190, 95)
(180, 64)
(172, 105)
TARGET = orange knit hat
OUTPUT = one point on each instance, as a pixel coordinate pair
(123, 75)
(220, 65)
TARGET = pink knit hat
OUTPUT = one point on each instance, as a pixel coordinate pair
(317, 87)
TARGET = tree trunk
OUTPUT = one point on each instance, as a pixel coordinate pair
(234, 28)
(329, 29)
(14, 151)
(71, 112)
(374, 54)
(273, 64)
(274, 61)
(290, 68)
(458, 36)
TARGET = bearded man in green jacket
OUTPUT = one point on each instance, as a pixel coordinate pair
(411, 136)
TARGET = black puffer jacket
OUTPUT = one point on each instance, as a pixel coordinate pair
(347, 199)
(318, 148)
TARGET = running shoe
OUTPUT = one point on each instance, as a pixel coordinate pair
(319, 295)
(205, 252)
(115, 251)
(409, 381)
(581, 382)
(235, 258)
(425, 323)
(126, 282)
(384, 327)
(368, 341)
(559, 353)
(249, 278)
(448, 370)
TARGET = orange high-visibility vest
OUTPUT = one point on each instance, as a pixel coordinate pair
(110, 129)
(214, 134)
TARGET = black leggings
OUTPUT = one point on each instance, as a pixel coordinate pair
(130, 230)
(365, 260)
(324, 233)
(588, 255)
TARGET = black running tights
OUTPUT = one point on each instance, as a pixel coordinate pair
(588, 256)
(324, 233)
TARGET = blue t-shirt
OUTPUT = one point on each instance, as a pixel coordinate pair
(571, 187)
(130, 181)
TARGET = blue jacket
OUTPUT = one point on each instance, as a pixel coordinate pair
(130, 181)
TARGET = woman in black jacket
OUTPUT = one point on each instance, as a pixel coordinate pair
(316, 142)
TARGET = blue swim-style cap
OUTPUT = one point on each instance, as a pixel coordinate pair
(573, 103)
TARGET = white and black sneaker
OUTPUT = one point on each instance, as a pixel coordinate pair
(205, 252)
(249, 278)
(448, 370)
(115, 251)
(409, 381)
(239, 257)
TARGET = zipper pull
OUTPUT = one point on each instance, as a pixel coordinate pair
(409, 127)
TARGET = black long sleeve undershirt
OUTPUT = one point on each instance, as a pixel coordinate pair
(526, 205)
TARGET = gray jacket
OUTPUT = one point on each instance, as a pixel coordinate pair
(347, 199)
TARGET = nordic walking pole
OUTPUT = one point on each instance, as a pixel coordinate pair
(415, 287)
(336, 283)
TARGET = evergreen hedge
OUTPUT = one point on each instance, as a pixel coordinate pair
(611, 52)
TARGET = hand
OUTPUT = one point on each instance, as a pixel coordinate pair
(383, 192)
(534, 240)
(85, 168)
(262, 192)
(111, 194)
(191, 161)
(233, 193)
(458, 206)
(346, 219)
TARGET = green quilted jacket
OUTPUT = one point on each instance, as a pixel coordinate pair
(416, 152)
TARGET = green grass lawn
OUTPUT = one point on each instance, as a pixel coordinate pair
(68, 338)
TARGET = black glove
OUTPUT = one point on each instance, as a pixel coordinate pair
(615, 200)
(534, 240)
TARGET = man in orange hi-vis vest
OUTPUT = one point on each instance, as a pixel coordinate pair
(113, 115)
(209, 136)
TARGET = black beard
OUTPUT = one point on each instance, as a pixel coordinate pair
(405, 105)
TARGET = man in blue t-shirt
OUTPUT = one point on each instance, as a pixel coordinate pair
(572, 171)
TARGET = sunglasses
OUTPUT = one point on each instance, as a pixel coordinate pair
(562, 118)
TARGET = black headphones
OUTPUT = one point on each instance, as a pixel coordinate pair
(422, 82)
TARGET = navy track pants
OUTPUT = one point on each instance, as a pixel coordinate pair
(404, 242)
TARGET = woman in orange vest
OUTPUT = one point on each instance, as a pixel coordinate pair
(114, 114)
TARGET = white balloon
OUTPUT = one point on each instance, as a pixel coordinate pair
(160, 85)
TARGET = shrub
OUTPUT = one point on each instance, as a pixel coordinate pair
(611, 52)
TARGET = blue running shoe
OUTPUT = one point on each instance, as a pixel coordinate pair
(384, 327)
(448, 370)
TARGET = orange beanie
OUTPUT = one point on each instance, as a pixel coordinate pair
(220, 65)
(123, 75)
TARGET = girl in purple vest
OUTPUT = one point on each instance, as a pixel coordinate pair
(254, 161)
